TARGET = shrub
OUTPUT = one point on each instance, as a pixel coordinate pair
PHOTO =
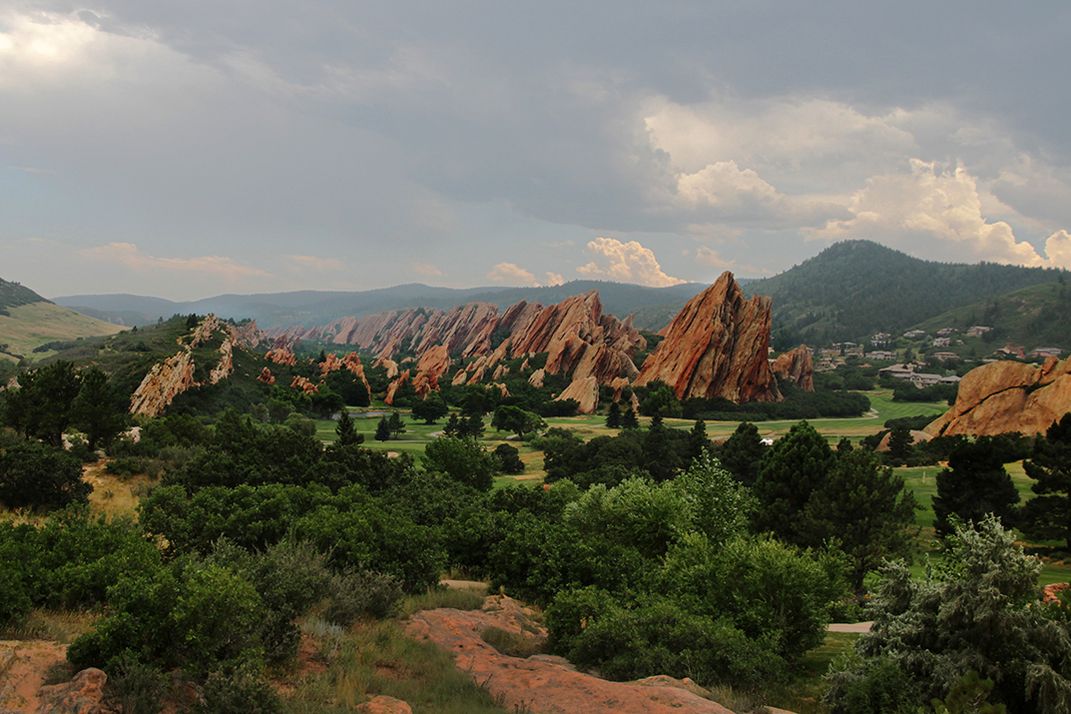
(36, 475)
(509, 459)
(357, 594)
(238, 689)
(463, 460)
(136, 687)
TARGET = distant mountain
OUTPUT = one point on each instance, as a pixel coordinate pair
(653, 307)
(855, 288)
(29, 323)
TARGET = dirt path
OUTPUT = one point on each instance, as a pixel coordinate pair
(855, 627)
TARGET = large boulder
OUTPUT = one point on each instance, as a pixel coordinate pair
(716, 347)
(796, 366)
(1008, 396)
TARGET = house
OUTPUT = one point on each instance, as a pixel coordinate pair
(880, 339)
(1045, 352)
(882, 355)
(942, 341)
(898, 371)
(1009, 351)
(914, 334)
(854, 351)
(947, 332)
(978, 330)
(927, 379)
(945, 356)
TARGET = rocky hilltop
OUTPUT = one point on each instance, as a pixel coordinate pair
(177, 374)
(796, 366)
(716, 347)
(1008, 396)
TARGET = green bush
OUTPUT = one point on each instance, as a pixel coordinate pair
(354, 595)
(36, 475)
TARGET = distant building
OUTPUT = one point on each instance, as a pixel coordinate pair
(978, 330)
(881, 339)
(945, 356)
(947, 331)
(914, 334)
(942, 341)
(1010, 350)
(1043, 352)
(882, 355)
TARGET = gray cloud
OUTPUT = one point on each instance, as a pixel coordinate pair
(466, 135)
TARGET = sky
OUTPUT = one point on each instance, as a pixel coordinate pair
(210, 146)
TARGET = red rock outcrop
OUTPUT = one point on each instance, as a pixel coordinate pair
(1008, 396)
(580, 341)
(1050, 594)
(265, 376)
(716, 347)
(351, 362)
(281, 355)
(393, 387)
(303, 384)
(383, 704)
(84, 694)
(543, 684)
(175, 375)
(796, 366)
(431, 366)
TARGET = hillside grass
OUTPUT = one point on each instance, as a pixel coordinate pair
(25, 327)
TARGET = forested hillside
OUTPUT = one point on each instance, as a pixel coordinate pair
(14, 294)
(855, 288)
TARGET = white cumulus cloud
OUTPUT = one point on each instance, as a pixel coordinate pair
(630, 262)
(943, 207)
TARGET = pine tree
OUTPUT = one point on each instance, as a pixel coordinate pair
(742, 452)
(383, 430)
(900, 443)
(660, 458)
(396, 425)
(975, 484)
(629, 420)
(697, 440)
(453, 425)
(794, 467)
(1048, 515)
(472, 426)
(347, 432)
(613, 416)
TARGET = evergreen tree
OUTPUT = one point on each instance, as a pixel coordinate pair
(347, 432)
(794, 467)
(396, 425)
(742, 453)
(865, 507)
(383, 430)
(697, 440)
(99, 410)
(42, 405)
(471, 426)
(900, 443)
(629, 420)
(660, 458)
(613, 416)
(453, 426)
(430, 409)
(844, 446)
(975, 484)
(1048, 514)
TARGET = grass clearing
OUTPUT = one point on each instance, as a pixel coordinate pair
(456, 598)
(805, 692)
(36, 324)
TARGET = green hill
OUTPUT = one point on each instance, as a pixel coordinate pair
(1033, 317)
(29, 323)
(855, 288)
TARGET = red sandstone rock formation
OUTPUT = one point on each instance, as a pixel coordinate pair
(266, 377)
(351, 362)
(281, 355)
(796, 366)
(1008, 396)
(1050, 594)
(431, 366)
(717, 347)
(303, 384)
(543, 684)
(393, 387)
(580, 341)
